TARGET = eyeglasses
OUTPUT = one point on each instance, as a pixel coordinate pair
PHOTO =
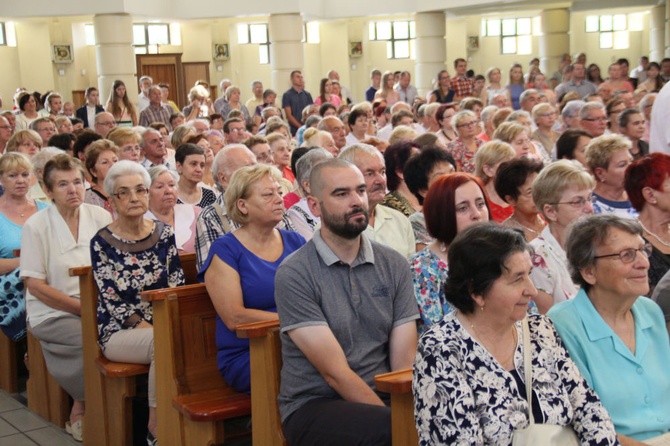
(579, 203)
(108, 124)
(468, 124)
(236, 130)
(5, 127)
(548, 115)
(628, 255)
(603, 119)
(125, 194)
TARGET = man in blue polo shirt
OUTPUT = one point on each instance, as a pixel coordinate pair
(294, 100)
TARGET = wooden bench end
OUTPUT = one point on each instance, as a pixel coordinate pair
(256, 329)
(213, 405)
(396, 382)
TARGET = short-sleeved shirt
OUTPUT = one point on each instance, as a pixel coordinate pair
(392, 229)
(462, 86)
(429, 273)
(634, 388)
(153, 114)
(619, 208)
(297, 101)
(361, 303)
(258, 289)
(49, 250)
(370, 94)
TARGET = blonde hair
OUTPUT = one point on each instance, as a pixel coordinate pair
(554, 179)
(490, 154)
(239, 187)
(123, 135)
(13, 161)
(274, 137)
(599, 151)
(21, 136)
(402, 133)
(507, 131)
(198, 92)
(542, 107)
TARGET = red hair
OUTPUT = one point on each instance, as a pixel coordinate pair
(649, 171)
(439, 206)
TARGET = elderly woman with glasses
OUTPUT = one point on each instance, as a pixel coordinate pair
(562, 193)
(55, 240)
(615, 336)
(464, 148)
(131, 255)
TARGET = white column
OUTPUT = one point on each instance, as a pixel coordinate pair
(115, 58)
(431, 49)
(657, 33)
(286, 50)
(556, 38)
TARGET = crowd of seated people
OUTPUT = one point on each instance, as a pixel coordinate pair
(474, 189)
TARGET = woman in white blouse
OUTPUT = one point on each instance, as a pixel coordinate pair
(562, 193)
(58, 238)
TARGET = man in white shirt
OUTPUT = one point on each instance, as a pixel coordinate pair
(143, 97)
(385, 225)
(406, 91)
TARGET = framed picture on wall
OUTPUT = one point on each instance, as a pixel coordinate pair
(220, 51)
(473, 43)
(61, 53)
(355, 49)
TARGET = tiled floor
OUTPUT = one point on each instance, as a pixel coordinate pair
(21, 427)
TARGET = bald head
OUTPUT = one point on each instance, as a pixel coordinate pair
(104, 123)
(228, 160)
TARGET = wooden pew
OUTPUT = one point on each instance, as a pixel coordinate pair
(8, 366)
(45, 396)
(193, 399)
(109, 386)
(266, 362)
(399, 385)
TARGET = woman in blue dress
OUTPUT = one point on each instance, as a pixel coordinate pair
(240, 268)
(515, 86)
(15, 209)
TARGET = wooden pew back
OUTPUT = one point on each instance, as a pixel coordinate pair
(187, 375)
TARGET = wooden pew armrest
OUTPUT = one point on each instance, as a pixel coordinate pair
(397, 382)
(120, 369)
(165, 293)
(256, 329)
(79, 271)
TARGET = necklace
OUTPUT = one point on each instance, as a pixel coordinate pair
(446, 136)
(518, 223)
(660, 240)
(479, 338)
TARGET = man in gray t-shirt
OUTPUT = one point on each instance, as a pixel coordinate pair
(347, 313)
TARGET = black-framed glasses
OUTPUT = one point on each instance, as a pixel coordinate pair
(124, 194)
(580, 202)
(628, 255)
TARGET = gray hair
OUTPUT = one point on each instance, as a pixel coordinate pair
(147, 130)
(307, 162)
(527, 93)
(488, 112)
(191, 124)
(156, 171)
(33, 125)
(459, 116)
(643, 103)
(124, 168)
(571, 109)
(312, 121)
(264, 112)
(516, 114)
(586, 234)
(351, 152)
(254, 83)
(220, 162)
(40, 159)
(587, 107)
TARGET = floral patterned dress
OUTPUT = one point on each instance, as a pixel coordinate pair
(429, 272)
(123, 269)
(462, 396)
(465, 159)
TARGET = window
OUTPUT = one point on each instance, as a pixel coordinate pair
(400, 37)
(89, 32)
(3, 34)
(515, 34)
(255, 33)
(613, 29)
(148, 36)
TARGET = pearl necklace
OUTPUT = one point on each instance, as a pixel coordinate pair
(660, 240)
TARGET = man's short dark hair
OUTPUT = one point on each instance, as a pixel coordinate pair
(226, 125)
(457, 61)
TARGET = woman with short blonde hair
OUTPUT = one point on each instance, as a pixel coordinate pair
(487, 160)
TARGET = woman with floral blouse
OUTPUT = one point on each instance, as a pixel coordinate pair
(468, 381)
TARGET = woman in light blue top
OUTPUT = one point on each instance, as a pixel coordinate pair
(618, 339)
